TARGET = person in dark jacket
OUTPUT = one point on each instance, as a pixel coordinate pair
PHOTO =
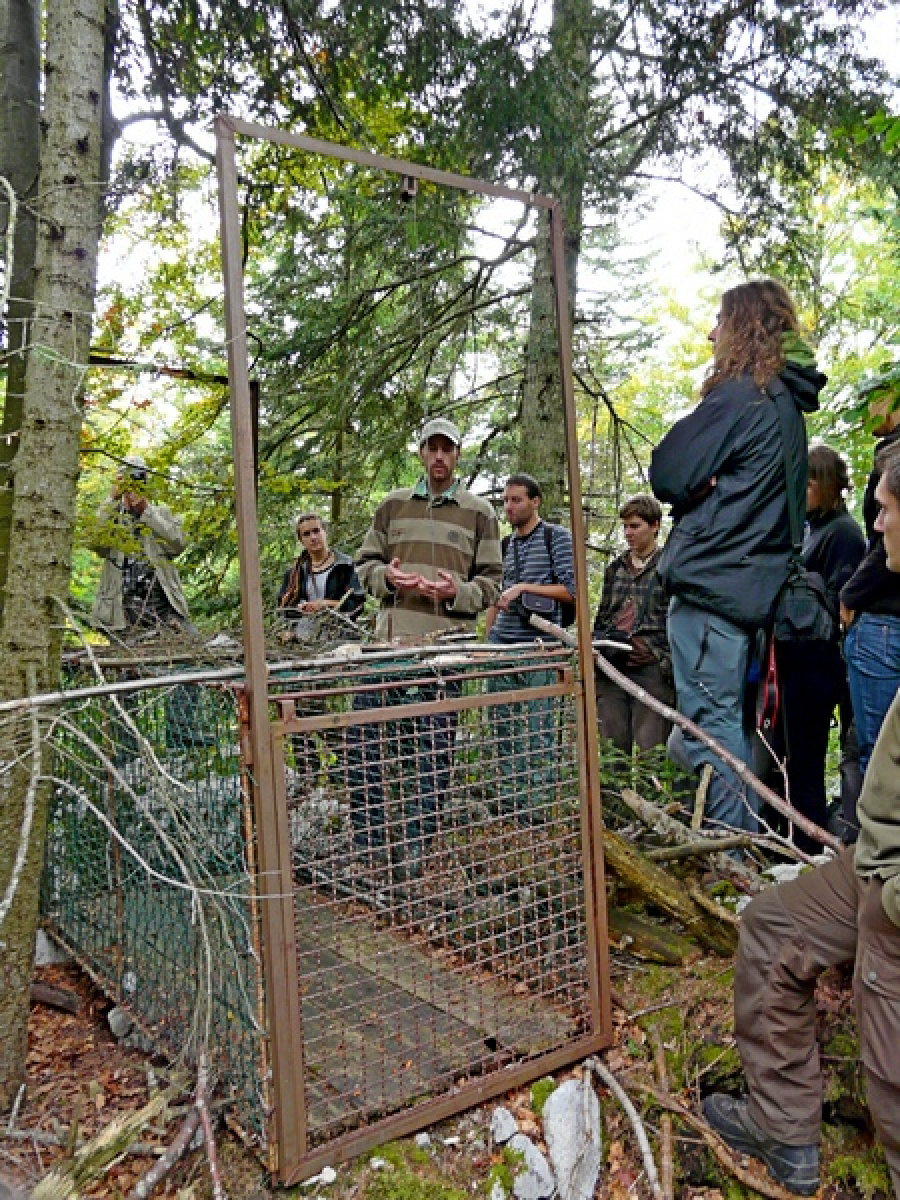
(722, 468)
(812, 674)
(320, 579)
(843, 914)
(632, 612)
(870, 601)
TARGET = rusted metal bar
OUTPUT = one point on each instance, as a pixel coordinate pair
(400, 681)
(380, 162)
(598, 956)
(279, 938)
(430, 1112)
(425, 708)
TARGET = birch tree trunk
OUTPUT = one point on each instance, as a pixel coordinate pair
(563, 168)
(46, 469)
(20, 80)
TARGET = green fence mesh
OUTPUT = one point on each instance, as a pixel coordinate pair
(148, 876)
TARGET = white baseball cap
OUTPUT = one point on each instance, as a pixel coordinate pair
(440, 427)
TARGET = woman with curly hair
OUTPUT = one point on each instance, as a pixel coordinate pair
(722, 469)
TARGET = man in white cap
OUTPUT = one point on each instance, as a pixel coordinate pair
(432, 555)
(140, 589)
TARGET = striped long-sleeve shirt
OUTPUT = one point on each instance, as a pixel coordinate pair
(455, 532)
(533, 564)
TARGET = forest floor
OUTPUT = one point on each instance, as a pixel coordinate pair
(80, 1078)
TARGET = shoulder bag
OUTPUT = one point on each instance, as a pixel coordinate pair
(802, 611)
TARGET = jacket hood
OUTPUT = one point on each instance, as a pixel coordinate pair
(804, 383)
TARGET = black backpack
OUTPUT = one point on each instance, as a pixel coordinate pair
(567, 615)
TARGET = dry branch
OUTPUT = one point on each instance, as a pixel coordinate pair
(652, 815)
(161, 1168)
(94, 1156)
(666, 1152)
(699, 848)
(740, 768)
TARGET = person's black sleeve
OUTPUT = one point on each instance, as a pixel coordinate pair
(692, 453)
(841, 556)
(604, 617)
(870, 582)
(354, 602)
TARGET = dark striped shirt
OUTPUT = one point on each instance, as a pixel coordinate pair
(535, 565)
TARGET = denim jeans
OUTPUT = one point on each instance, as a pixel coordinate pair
(872, 651)
(709, 658)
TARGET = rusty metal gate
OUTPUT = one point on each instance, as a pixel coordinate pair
(443, 941)
(446, 941)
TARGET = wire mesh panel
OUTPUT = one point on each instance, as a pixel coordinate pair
(438, 848)
(149, 875)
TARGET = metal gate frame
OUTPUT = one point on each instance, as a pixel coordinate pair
(262, 744)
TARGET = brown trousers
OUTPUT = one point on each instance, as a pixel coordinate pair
(789, 935)
(624, 720)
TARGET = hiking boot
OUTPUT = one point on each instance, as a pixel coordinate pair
(794, 1167)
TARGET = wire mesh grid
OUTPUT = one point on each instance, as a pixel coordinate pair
(437, 850)
(438, 856)
(149, 875)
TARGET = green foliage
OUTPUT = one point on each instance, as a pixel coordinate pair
(866, 1173)
(540, 1092)
(499, 1173)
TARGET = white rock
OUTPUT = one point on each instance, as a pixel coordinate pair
(503, 1125)
(534, 1180)
(451, 1141)
(326, 1175)
(498, 1191)
(47, 953)
(378, 1164)
(573, 1138)
(120, 1022)
(423, 1141)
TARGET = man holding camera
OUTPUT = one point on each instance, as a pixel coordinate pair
(140, 589)
(630, 630)
(538, 576)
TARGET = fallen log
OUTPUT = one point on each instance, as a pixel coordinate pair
(55, 997)
(667, 894)
(643, 939)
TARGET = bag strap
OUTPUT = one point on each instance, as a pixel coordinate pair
(794, 475)
(548, 544)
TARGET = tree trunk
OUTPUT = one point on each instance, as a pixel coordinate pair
(561, 173)
(20, 140)
(46, 468)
